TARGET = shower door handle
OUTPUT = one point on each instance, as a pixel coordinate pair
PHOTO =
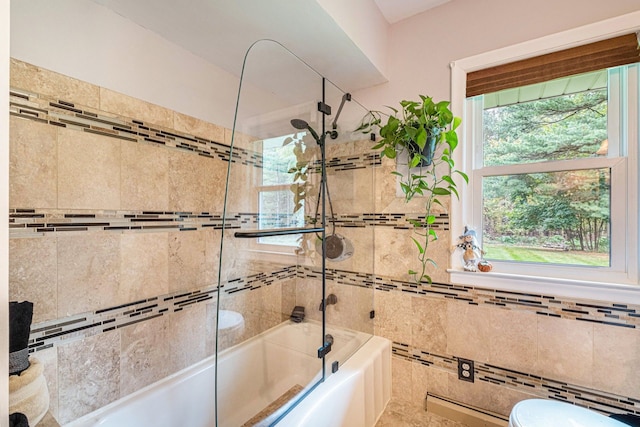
(324, 350)
(276, 232)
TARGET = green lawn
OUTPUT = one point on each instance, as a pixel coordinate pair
(532, 254)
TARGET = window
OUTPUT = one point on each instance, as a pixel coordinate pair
(277, 204)
(550, 143)
(549, 175)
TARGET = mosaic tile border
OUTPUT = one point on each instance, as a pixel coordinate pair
(61, 113)
(39, 222)
(46, 334)
(607, 403)
(51, 333)
(602, 312)
(67, 114)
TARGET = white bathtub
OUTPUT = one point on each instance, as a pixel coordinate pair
(258, 371)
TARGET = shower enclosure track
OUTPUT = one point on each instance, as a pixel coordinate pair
(276, 232)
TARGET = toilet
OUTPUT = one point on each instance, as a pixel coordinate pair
(551, 413)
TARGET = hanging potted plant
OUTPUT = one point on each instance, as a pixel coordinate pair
(426, 131)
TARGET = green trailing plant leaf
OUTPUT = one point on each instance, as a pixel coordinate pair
(415, 161)
(407, 130)
(420, 248)
(441, 191)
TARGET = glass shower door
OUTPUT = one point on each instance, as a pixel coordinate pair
(297, 171)
(270, 181)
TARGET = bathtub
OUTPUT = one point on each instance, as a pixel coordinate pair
(258, 371)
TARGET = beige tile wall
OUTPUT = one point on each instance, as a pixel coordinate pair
(593, 357)
(58, 170)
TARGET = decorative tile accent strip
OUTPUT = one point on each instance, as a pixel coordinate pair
(607, 403)
(51, 333)
(625, 315)
(69, 115)
(44, 109)
(395, 220)
(351, 162)
(602, 312)
(40, 222)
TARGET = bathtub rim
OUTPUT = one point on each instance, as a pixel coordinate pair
(207, 363)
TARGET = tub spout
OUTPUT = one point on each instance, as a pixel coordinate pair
(331, 299)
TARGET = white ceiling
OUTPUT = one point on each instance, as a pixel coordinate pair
(221, 31)
(397, 10)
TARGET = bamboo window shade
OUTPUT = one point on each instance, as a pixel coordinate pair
(612, 52)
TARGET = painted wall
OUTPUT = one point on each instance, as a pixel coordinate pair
(76, 28)
(422, 47)
(365, 25)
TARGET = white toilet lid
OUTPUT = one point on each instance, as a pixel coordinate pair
(550, 413)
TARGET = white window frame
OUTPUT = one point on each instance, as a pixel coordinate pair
(261, 245)
(623, 284)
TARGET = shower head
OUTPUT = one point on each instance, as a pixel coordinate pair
(299, 124)
(302, 125)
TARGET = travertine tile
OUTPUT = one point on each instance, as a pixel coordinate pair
(150, 114)
(211, 264)
(353, 308)
(565, 350)
(88, 273)
(36, 79)
(288, 296)
(478, 394)
(469, 331)
(399, 413)
(616, 358)
(186, 260)
(33, 275)
(186, 331)
(429, 325)
(393, 316)
(196, 127)
(243, 195)
(33, 170)
(505, 398)
(514, 339)
(88, 374)
(145, 177)
(210, 327)
(397, 255)
(363, 197)
(143, 358)
(191, 186)
(309, 295)
(88, 171)
(401, 384)
(144, 266)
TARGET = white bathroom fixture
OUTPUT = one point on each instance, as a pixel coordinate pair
(550, 413)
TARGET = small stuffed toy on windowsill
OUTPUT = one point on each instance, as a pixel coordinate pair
(471, 252)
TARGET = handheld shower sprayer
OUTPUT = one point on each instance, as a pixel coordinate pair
(336, 247)
(302, 125)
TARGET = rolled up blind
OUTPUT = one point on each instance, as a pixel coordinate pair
(612, 52)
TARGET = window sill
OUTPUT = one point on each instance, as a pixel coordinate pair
(610, 292)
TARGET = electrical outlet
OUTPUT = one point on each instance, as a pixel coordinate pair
(465, 370)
